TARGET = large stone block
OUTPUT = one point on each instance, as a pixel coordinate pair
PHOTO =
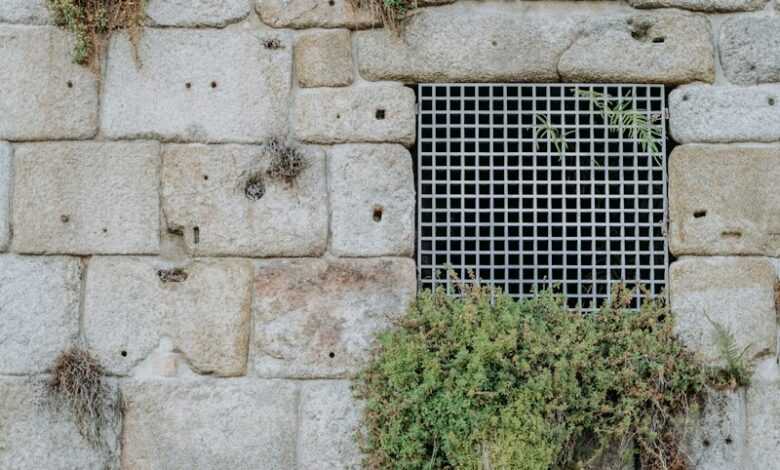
(86, 198)
(36, 436)
(210, 424)
(750, 50)
(317, 318)
(323, 58)
(5, 194)
(45, 95)
(39, 308)
(196, 12)
(469, 43)
(736, 292)
(723, 200)
(763, 416)
(723, 114)
(718, 438)
(662, 47)
(330, 419)
(300, 14)
(133, 305)
(24, 11)
(208, 190)
(710, 6)
(197, 86)
(366, 113)
(372, 200)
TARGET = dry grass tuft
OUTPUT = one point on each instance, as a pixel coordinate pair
(287, 163)
(92, 21)
(78, 384)
(391, 13)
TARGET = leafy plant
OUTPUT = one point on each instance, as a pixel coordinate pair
(736, 371)
(482, 381)
(391, 13)
(546, 131)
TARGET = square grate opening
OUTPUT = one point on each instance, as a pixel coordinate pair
(543, 186)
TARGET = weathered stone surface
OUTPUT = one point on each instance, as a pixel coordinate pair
(330, 419)
(86, 198)
(35, 436)
(45, 95)
(375, 219)
(723, 114)
(464, 42)
(724, 200)
(5, 194)
(323, 58)
(718, 441)
(313, 14)
(39, 307)
(206, 187)
(196, 12)
(701, 5)
(763, 416)
(367, 113)
(24, 11)
(750, 50)
(317, 318)
(197, 86)
(662, 47)
(210, 424)
(737, 292)
(132, 305)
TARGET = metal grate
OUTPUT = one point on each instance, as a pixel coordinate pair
(578, 208)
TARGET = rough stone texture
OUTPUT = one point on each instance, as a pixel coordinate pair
(372, 200)
(86, 198)
(710, 6)
(39, 307)
(763, 415)
(196, 12)
(663, 47)
(738, 293)
(323, 58)
(317, 318)
(750, 50)
(330, 418)
(718, 441)
(24, 11)
(313, 14)
(723, 200)
(45, 95)
(205, 187)
(130, 309)
(36, 437)
(367, 113)
(723, 114)
(6, 153)
(197, 86)
(210, 424)
(468, 43)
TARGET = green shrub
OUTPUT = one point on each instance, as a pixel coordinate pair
(485, 382)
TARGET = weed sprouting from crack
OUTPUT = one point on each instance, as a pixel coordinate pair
(287, 163)
(391, 13)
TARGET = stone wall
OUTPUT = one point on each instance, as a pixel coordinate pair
(233, 323)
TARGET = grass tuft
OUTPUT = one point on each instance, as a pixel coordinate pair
(391, 13)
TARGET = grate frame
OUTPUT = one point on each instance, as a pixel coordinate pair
(499, 200)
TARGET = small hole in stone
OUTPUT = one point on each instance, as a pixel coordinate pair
(659, 40)
(338, 116)
(377, 215)
(331, 354)
(188, 85)
(105, 230)
(332, 3)
(699, 214)
(255, 188)
(494, 43)
(752, 67)
(731, 234)
(65, 218)
(123, 353)
(706, 443)
(205, 177)
(685, 98)
(380, 114)
(729, 440)
(70, 84)
(196, 235)
(771, 101)
(213, 84)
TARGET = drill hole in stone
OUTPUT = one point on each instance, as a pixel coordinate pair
(205, 177)
(254, 189)
(105, 230)
(213, 84)
(771, 101)
(731, 234)
(706, 443)
(70, 84)
(331, 3)
(729, 440)
(377, 213)
(188, 85)
(196, 235)
(123, 353)
(331, 354)
(65, 218)
(380, 114)
(685, 98)
(699, 214)
(659, 40)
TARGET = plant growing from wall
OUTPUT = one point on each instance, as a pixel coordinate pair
(735, 371)
(287, 163)
(485, 382)
(545, 130)
(391, 13)
(92, 21)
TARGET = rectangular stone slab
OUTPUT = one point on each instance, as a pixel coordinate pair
(86, 198)
(39, 307)
(133, 306)
(202, 85)
(299, 14)
(24, 11)
(749, 50)
(205, 187)
(763, 416)
(44, 94)
(317, 318)
(210, 424)
(196, 12)
(724, 200)
(6, 154)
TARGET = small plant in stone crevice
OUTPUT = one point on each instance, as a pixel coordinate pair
(391, 13)
(736, 370)
(287, 163)
(78, 384)
(92, 21)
